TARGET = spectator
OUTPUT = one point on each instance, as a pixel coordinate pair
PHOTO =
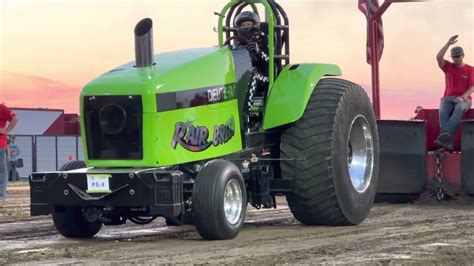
(457, 100)
(14, 151)
(8, 158)
(8, 121)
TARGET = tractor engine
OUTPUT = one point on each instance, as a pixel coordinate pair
(187, 103)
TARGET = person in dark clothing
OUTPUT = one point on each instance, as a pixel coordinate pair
(249, 35)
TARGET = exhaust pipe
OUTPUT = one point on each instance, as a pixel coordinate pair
(144, 43)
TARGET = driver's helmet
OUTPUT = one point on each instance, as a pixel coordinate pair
(248, 33)
(246, 16)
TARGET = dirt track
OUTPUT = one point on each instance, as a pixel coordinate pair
(392, 234)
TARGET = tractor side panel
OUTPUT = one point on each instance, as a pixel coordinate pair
(288, 97)
(402, 157)
(467, 155)
(198, 133)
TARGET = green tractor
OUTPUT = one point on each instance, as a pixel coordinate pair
(170, 135)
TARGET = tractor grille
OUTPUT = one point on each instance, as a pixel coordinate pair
(113, 126)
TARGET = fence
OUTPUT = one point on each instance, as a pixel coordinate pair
(47, 153)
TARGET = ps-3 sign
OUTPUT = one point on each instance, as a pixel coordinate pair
(196, 138)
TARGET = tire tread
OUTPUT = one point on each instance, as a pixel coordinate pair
(315, 200)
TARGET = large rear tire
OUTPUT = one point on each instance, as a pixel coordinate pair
(335, 145)
(69, 220)
(219, 201)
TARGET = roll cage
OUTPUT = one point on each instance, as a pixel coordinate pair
(276, 24)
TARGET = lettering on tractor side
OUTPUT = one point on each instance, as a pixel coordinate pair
(221, 93)
(196, 138)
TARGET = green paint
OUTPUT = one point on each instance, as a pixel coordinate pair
(210, 117)
(174, 71)
(158, 134)
(289, 96)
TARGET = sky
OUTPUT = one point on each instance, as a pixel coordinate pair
(49, 49)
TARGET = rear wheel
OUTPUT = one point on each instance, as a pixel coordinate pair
(336, 147)
(219, 201)
(69, 220)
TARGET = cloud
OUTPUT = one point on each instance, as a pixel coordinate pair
(399, 100)
(30, 91)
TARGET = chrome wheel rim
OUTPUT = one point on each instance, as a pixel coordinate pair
(360, 153)
(232, 201)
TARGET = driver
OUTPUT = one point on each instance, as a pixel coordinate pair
(249, 35)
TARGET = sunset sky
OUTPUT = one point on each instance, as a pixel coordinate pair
(50, 49)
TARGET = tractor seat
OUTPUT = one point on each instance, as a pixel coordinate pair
(431, 116)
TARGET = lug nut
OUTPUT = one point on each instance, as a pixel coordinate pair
(66, 192)
(131, 192)
(65, 175)
(131, 175)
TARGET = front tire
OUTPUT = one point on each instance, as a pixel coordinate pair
(70, 223)
(336, 147)
(69, 220)
(219, 201)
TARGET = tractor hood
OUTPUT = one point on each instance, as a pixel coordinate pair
(172, 71)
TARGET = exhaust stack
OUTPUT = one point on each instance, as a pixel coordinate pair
(144, 43)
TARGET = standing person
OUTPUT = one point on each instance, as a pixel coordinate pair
(8, 160)
(459, 79)
(14, 152)
(8, 121)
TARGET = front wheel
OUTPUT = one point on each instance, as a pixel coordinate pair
(219, 200)
(69, 220)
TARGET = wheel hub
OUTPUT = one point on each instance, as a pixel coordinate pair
(360, 153)
(233, 201)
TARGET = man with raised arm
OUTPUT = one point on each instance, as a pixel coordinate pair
(459, 85)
